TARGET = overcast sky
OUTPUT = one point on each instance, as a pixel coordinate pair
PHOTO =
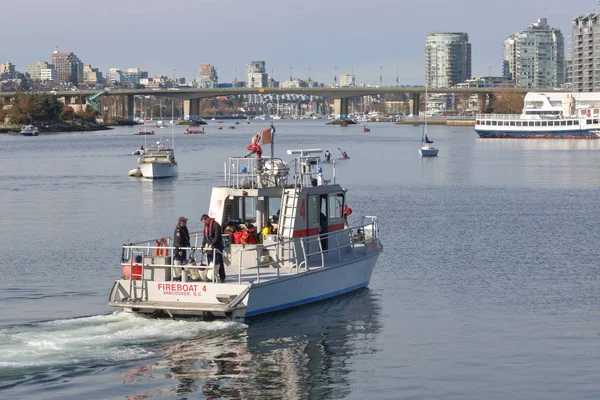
(163, 36)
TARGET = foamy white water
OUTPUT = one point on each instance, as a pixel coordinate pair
(115, 337)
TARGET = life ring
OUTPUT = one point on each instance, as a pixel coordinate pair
(589, 113)
(161, 247)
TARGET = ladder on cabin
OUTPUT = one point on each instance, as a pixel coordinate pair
(287, 220)
(287, 214)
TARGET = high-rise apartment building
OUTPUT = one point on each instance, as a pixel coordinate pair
(69, 69)
(447, 59)
(255, 75)
(208, 77)
(536, 57)
(585, 57)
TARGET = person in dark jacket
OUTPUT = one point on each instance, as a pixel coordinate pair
(181, 238)
(213, 238)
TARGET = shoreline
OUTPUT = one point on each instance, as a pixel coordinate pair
(58, 127)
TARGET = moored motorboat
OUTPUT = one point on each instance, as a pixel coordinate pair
(157, 162)
(29, 130)
(305, 253)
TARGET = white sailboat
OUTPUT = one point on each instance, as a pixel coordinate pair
(426, 149)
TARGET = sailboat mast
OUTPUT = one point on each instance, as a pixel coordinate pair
(425, 117)
(172, 125)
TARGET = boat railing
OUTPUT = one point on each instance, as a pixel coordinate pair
(504, 117)
(306, 171)
(252, 173)
(268, 256)
(361, 233)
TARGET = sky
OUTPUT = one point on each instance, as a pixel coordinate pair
(365, 37)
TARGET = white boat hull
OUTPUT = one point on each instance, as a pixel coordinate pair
(195, 298)
(159, 170)
(428, 151)
(310, 287)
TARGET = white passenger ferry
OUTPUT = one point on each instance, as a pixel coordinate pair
(307, 252)
(546, 116)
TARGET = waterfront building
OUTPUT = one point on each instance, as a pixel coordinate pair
(35, 70)
(347, 80)
(69, 68)
(48, 74)
(255, 75)
(536, 56)
(447, 59)
(585, 56)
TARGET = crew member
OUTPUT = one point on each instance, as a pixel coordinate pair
(327, 156)
(344, 154)
(181, 238)
(213, 238)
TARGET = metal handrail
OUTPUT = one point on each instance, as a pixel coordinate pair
(367, 225)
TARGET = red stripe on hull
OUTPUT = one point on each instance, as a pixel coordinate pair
(298, 233)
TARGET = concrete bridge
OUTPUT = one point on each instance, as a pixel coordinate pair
(191, 96)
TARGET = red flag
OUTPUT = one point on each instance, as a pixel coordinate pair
(266, 136)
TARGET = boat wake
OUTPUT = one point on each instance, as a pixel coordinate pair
(97, 340)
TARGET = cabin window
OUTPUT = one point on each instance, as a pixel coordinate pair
(575, 122)
(544, 123)
(274, 205)
(478, 122)
(595, 121)
(519, 123)
(488, 122)
(563, 123)
(569, 123)
(314, 210)
(588, 121)
(494, 123)
(538, 123)
(336, 206)
(512, 123)
(249, 204)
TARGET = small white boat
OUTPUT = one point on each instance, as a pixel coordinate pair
(305, 253)
(29, 130)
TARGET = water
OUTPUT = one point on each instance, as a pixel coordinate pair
(487, 287)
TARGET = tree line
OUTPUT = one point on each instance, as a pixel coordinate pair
(28, 108)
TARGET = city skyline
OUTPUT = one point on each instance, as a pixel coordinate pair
(384, 39)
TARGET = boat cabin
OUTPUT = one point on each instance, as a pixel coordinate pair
(278, 200)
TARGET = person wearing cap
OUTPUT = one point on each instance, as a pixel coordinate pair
(181, 238)
(213, 238)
